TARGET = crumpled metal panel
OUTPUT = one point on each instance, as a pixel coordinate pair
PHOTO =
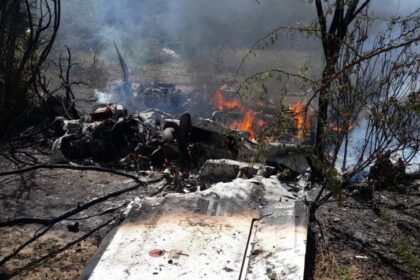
(245, 229)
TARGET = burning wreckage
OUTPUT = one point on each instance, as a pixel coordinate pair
(222, 216)
(154, 139)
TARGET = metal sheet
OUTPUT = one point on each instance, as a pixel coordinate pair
(246, 229)
(279, 243)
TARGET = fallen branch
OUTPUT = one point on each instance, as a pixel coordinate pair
(73, 212)
(47, 257)
(107, 211)
(24, 221)
(71, 167)
(46, 222)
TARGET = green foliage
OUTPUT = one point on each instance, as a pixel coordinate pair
(400, 245)
(413, 103)
(408, 256)
(345, 273)
(334, 183)
(385, 218)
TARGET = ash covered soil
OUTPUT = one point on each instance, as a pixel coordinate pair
(379, 239)
(47, 194)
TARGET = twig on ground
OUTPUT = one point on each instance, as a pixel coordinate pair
(73, 212)
(46, 222)
(107, 211)
(71, 167)
(24, 221)
(47, 257)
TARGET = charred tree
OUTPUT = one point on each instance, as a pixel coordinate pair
(368, 78)
(28, 29)
(332, 38)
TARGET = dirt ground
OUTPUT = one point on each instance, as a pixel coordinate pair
(370, 240)
(360, 239)
(47, 194)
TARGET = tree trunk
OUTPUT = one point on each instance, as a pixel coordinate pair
(321, 145)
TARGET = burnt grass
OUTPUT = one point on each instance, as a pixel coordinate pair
(369, 237)
(357, 238)
(47, 194)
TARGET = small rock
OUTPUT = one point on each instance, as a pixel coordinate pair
(73, 228)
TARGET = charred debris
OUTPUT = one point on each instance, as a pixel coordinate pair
(146, 128)
(179, 147)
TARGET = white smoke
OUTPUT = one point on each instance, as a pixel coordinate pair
(104, 97)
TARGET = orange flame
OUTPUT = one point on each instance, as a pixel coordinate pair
(339, 129)
(261, 123)
(247, 124)
(221, 104)
(299, 116)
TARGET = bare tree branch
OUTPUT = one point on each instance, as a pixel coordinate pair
(71, 167)
(70, 213)
(54, 253)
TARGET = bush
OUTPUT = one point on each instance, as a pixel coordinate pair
(27, 33)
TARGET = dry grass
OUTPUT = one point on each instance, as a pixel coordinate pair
(67, 265)
(329, 268)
